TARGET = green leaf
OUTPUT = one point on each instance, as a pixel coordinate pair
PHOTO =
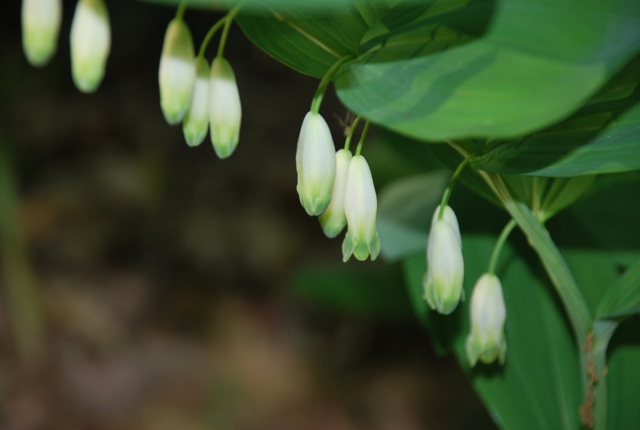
(259, 5)
(508, 81)
(533, 390)
(601, 137)
(405, 209)
(623, 298)
(370, 291)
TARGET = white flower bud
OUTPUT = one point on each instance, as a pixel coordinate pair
(333, 218)
(315, 164)
(360, 207)
(40, 27)
(486, 341)
(225, 112)
(445, 267)
(196, 123)
(90, 44)
(177, 72)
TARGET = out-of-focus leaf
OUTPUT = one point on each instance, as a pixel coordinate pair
(601, 137)
(372, 291)
(404, 213)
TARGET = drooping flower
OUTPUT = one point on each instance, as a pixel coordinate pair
(196, 122)
(225, 112)
(177, 72)
(40, 28)
(333, 219)
(486, 341)
(445, 267)
(315, 164)
(360, 207)
(90, 44)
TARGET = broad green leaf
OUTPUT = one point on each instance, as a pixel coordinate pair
(601, 137)
(373, 291)
(623, 298)
(623, 375)
(536, 62)
(534, 389)
(259, 5)
(405, 209)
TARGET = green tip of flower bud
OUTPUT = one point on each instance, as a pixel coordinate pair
(196, 122)
(40, 27)
(486, 341)
(177, 72)
(225, 111)
(360, 246)
(90, 44)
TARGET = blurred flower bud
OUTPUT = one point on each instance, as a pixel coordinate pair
(40, 27)
(360, 207)
(177, 72)
(445, 268)
(486, 340)
(333, 218)
(315, 164)
(225, 112)
(196, 123)
(90, 44)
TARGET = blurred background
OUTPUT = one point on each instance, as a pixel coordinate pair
(148, 285)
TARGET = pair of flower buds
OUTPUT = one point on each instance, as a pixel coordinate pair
(90, 38)
(443, 290)
(202, 97)
(338, 188)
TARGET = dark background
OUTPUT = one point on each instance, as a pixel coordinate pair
(166, 282)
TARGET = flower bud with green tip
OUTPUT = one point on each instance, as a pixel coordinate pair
(225, 112)
(486, 341)
(333, 218)
(40, 27)
(360, 207)
(177, 72)
(445, 267)
(90, 44)
(315, 164)
(196, 123)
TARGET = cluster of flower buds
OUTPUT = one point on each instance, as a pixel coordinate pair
(443, 286)
(90, 38)
(338, 188)
(200, 96)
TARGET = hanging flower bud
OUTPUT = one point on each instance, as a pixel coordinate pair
(315, 164)
(177, 72)
(486, 340)
(90, 44)
(360, 207)
(445, 268)
(225, 112)
(40, 27)
(333, 218)
(196, 123)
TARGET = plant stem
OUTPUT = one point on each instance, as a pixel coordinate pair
(228, 20)
(181, 9)
(352, 130)
(452, 182)
(324, 83)
(499, 244)
(207, 38)
(362, 137)
(603, 330)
